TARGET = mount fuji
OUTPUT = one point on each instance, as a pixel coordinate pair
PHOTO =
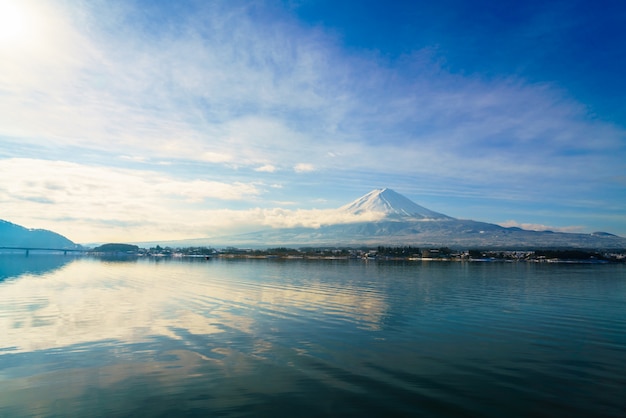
(396, 220)
(392, 205)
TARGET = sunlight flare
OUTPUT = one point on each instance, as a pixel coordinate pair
(19, 24)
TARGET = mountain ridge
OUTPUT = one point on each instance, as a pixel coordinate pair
(13, 235)
(405, 222)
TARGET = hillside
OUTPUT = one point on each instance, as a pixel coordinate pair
(403, 222)
(12, 235)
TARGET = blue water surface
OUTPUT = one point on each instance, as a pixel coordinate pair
(182, 337)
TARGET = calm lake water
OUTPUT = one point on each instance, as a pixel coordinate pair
(180, 337)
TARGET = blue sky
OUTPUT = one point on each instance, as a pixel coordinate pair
(148, 120)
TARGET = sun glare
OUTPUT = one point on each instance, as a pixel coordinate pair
(18, 24)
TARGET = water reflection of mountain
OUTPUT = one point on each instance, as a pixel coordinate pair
(13, 265)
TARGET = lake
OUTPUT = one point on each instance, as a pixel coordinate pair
(83, 336)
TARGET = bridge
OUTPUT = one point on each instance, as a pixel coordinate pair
(29, 249)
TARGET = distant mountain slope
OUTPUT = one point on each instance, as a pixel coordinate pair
(453, 233)
(404, 222)
(12, 235)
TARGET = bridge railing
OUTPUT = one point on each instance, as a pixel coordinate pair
(29, 249)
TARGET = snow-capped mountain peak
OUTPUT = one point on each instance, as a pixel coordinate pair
(392, 204)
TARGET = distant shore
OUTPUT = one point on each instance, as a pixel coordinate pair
(382, 253)
(374, 253)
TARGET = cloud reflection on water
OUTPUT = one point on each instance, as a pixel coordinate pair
(131, 302)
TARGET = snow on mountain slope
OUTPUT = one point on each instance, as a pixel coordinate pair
(399, 221)
(392, 204)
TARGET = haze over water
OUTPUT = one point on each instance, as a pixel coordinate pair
(184, 337)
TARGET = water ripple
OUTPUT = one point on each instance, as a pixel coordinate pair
(268, 338)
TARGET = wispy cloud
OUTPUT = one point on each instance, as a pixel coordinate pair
(303, 168)
(139, 204)
(540, 227)
(267, 168)
(234, 91)
(163, 205)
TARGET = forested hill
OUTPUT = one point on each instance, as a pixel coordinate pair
(12, 235)
(116, 248)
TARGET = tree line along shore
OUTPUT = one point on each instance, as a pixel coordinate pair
(370, 253)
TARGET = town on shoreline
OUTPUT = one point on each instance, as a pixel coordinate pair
(382, 253)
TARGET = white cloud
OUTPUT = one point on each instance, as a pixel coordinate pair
(267, 168)
(541, 227)
(93, 204)
(210, 157)
(135, 158)
(228, 220)
(233, 91)
(90, 204)
(303, 168)
(313, 218)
